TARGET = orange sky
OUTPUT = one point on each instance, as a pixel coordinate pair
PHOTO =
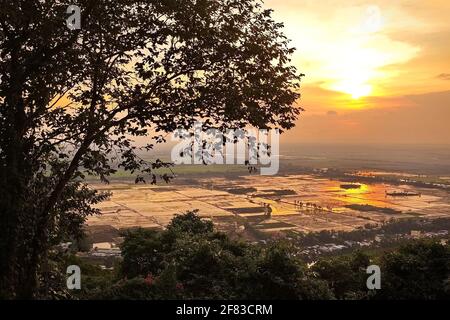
(376, 71)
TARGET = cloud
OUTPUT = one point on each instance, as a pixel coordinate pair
(332, 113)
(444, 76)
(365, 48)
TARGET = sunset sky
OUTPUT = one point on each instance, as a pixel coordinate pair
(376, 71)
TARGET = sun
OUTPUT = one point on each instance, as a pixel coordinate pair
(357, 71)
(358, 90)
(353, 73)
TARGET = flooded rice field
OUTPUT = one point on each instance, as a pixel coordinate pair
(269, 204)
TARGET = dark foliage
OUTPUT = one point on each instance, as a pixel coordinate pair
(200, 263)
(71, 102)
(417, 271)
(195, 262)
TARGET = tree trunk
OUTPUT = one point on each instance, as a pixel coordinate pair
(17, 221)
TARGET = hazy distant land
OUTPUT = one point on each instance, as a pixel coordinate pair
(313, 175)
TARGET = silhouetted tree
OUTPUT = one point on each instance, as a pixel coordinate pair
(71, 100)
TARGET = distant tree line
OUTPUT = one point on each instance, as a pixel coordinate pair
(370, 231)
